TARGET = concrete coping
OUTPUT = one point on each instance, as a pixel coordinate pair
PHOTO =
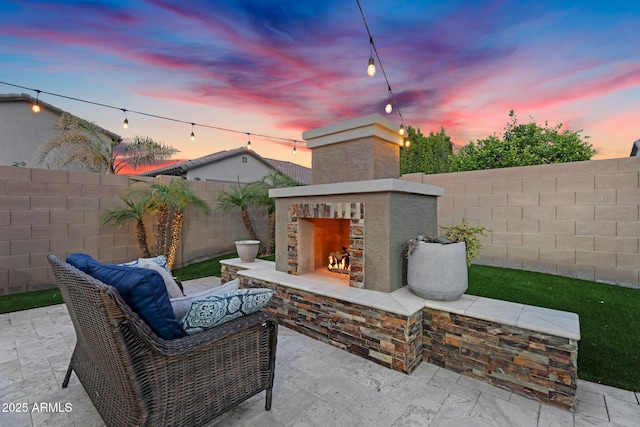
(404, 302)
(355, 187)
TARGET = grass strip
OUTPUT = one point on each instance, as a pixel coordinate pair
(27, 300)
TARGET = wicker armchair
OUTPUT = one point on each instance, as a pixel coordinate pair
(134, 377)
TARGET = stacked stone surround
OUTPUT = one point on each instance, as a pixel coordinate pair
(388, 339)
(351, 211)
(537, 364)
(540, 366)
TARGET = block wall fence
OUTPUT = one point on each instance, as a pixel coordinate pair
(49, 211)
(573, 219)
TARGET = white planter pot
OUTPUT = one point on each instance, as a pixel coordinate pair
(247, 249)
(439, 272)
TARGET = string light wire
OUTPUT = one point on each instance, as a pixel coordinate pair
(375, 50)
(155, 116)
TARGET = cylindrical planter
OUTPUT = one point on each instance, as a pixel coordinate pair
(439, 272)
(247, 249)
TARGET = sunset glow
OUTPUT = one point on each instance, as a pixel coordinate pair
(282, 67)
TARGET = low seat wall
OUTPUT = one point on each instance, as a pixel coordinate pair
(530, 351)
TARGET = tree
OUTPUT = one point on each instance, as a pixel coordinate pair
(427, 154)
(523, 145)
(83, 143)
(262, 187)
(240, 197)
(181, 197)
(168, 202)
(135, 210)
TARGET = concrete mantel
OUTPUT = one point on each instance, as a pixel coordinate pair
(360, 127)
(358, 187)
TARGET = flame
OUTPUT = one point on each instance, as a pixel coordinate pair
(339, 266)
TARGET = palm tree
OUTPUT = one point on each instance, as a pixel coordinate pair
(262, 187)
(180, 198)
(83, 143)
(135, 211)
(240, 197)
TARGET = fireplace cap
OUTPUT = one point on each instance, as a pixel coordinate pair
(360, 127)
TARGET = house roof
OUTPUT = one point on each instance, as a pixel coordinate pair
(300, 174)
(23, 97)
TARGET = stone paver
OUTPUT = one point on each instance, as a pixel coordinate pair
(316, 385)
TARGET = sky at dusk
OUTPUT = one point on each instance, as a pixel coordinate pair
(279, 68)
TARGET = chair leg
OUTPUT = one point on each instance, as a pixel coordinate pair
(65, 383)
(267, 405)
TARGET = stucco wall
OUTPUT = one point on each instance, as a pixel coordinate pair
(243, 168)
(573, 219)
(22, 132)
(46, 211)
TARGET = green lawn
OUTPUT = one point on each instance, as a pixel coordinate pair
(27, 300)
(609, 352)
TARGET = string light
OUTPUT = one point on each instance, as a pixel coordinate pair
(371, 68)
(249, 142)
(36, 105)
(193, 135)
(407, 142)
(389, 106)
(125, 124)
(155, 116)
(294, 148)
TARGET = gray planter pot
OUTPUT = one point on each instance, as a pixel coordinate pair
(247, 249)
(439, 272)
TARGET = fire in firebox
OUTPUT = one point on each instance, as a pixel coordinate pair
(339, 261)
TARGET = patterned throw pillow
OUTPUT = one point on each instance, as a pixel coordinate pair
(218, 309)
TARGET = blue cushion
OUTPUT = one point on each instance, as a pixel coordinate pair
(142, 289)
(82, 262)
(215, 310)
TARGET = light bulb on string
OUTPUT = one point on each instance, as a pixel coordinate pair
(125, 124)
(401, 130)
(388, 108)
(249, 142)
(294, 148)
(193, 135)
(407, 142)
(36, 105)
(371, 68)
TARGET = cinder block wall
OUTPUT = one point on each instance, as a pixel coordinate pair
(49, 211)
(572, 219)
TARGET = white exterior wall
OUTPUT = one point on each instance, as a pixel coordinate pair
(243, 168)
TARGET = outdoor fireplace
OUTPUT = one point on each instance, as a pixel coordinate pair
(356, 211)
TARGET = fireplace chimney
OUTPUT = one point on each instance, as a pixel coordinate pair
(360, 149)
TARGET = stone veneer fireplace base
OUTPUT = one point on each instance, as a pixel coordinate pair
(527, 350)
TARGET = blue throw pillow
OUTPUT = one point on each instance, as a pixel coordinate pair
(82, 262)
(218, 309)
(142, 289)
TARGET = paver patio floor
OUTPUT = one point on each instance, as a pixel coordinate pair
(316, 385)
